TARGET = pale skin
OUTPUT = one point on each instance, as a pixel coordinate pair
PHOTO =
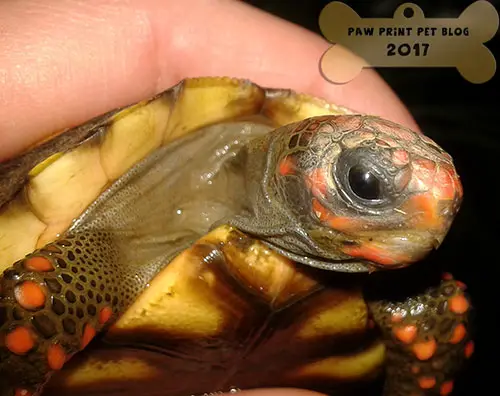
(65, 61)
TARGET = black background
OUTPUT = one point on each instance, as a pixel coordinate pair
(463, 118)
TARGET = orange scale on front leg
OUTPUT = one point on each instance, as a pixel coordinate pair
(30, 295)
(38, 264)
(104, 315)
(88, 334)
(56, 357)
(20, 341)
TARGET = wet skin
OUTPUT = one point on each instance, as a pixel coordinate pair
(336, 193)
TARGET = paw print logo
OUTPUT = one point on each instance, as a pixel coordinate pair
(408, 40)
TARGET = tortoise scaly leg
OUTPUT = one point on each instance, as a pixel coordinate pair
(427, 338)
(52, 304)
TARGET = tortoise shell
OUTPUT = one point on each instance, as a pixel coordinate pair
(150, 261)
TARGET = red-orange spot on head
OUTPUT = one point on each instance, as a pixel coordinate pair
(400, 157)
(372, 252)
(105, 315)
(88, 335)
(19, 341)
(422, 175)
(405, 334)
(446, 388)
(426, 207)
(469, 349)
(415, 369)
(458, 304)
(316, 181)
(56, 357)
(459, 333)
(313, 126)
(427, 382)
(338, 223)
(425, 350)
(38, 264)
(30, 295)
(444, 184)
(286, 166)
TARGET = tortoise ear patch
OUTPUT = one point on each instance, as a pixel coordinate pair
(287, 166)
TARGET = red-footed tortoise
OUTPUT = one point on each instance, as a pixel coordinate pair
(224, 235)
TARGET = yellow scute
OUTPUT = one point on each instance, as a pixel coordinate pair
(63, 189)
(346, 367)
(19, 232)
(133, 136)
(178, 300)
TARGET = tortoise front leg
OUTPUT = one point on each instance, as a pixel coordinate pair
(54, 301)
(427, 338)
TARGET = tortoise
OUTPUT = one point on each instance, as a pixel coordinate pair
(224, 236)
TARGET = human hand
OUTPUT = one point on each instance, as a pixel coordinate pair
(65, 61)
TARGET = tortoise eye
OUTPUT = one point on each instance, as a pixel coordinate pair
(364, 183)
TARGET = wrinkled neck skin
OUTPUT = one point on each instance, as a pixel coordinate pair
(268, 216)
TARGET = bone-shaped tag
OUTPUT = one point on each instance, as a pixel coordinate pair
(408, 40)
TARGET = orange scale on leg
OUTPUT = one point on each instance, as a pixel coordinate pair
(105, 315)
(56, 357)
(88, 335)
(20, 341)
(30, 295)
(38, 264)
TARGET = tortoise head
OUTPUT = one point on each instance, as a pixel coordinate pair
(350, 193)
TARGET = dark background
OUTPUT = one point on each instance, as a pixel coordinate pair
(463, 118)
